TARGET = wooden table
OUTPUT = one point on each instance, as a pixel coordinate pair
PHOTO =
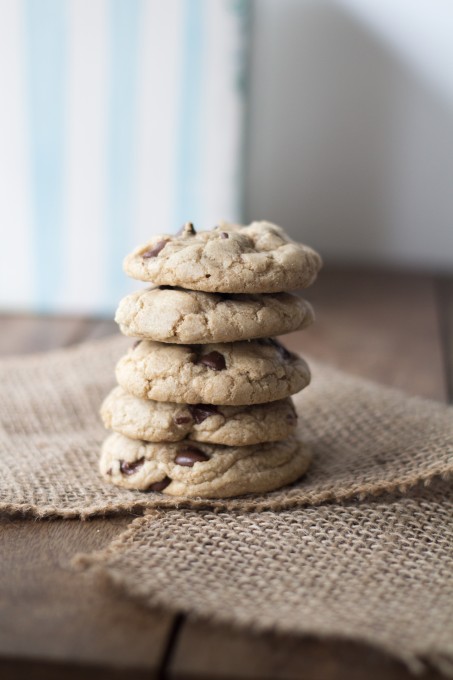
(396, 328)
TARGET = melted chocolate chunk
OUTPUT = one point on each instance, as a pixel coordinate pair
(213, 360)
(202, 411)
(160, 486)
(189, 455)
(195, 351)
(187, 229)
(292, 417)
(284, 353)
(129, 468)
(224, 234)
(182, 419)
(160, 245)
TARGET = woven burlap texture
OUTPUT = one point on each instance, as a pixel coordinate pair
(378, 571)
(365, 439)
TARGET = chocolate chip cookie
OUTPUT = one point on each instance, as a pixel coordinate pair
(232, 374)
(185, 316)
(204, 470)
(259, 258)
(161, 421)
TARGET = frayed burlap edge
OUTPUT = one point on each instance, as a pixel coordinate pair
(99, 563)
(240, 504)
(366, 439)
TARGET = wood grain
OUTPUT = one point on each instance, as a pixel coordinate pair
(207, 651)
(380, 325)
(24, 334)
(49, 611)
(54, 623)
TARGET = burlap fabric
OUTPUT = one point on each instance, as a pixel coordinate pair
(365, 439)
(373, 569)
(378, 571)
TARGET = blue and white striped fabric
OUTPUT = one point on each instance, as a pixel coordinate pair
(119, 119)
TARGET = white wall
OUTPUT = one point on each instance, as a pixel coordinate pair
(351, 127)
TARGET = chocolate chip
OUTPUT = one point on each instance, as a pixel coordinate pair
(187, 229)
(136, 344)
(284, 353)
(213, 360)
(193, 352)
(160, 486)
(160, 245)
(182, 419)
(292, 416)
(224, 234)
(189, 455)
(202, 411)
(129, 468)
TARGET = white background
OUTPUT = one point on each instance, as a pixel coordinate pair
(351, 127)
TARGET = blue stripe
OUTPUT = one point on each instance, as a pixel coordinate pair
(45, 25)
(125, 16)
(188, 198)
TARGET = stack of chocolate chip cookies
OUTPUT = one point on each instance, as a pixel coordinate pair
(203, 403)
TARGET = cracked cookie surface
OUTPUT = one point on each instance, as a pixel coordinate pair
(186, 316)
(231, 374)
(204, 470)
(160, 421)
(259, 258)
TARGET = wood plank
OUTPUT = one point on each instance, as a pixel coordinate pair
(50, 612)
(24, 669)
(208, 651)
(24, 334)
(383, 326)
